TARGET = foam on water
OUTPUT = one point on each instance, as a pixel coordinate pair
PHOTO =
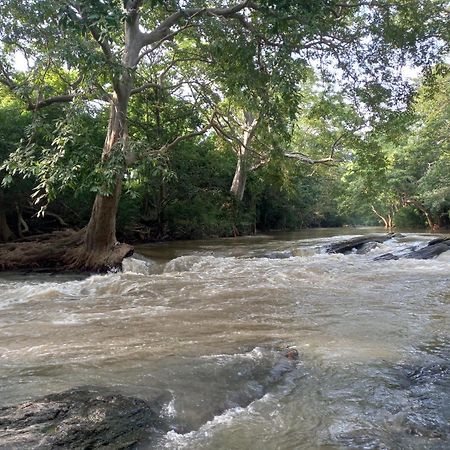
(206, 329)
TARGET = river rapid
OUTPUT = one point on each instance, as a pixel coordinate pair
(200, 325)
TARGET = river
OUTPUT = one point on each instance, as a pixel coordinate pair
(200, 325)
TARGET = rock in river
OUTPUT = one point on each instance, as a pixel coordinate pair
(79, 418)
(432, 249)
(361, 244)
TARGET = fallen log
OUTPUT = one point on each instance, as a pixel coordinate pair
(60, 251)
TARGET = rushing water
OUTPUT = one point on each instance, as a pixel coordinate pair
(200, 326)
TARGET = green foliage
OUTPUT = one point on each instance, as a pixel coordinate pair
(409, 161)
(258, 60)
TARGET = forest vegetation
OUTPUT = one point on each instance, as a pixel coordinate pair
(140, 120)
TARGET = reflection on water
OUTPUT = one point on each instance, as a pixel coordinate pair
(202, 322)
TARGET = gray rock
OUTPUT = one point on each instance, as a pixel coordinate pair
(286, 363)
(366, 248)
(431, 250)
(279, 255)
(386, 257)
(357, 243)
(79, 418)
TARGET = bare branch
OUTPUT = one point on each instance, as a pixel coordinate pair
(67, 98)
(184, 137)
(162, 31)
(162, 40)
(306, 159)
(149, 85)
(6, 79)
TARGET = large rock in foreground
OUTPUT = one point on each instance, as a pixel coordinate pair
(78, 419)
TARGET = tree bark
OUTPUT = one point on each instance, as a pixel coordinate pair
(386, 221)
(101, 229)
(240, 174)
(5, 232)
(100, 237)
(422, 209)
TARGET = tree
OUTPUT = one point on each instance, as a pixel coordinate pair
(405, 163)
(111, 47)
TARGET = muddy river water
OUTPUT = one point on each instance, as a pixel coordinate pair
(201, 324)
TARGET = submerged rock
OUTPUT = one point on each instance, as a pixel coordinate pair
(386, 257)
(279, 255)
(287, 363)
(79, 418)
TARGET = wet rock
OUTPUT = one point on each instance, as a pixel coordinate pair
(386, 257)
(279, 255)
(79, 418)
(357, 243)
(230, 383)
(287, 362)
(366, 248)
(431, 250)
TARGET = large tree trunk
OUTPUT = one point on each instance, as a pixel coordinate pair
(100, 243)
(101, 230)
(100, 247)
(240, 174)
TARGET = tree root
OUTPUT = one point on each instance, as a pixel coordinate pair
(59, 252)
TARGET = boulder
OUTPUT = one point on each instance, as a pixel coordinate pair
(79, 418)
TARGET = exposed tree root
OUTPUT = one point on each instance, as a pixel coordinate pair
(60, 251)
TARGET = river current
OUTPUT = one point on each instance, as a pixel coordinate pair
(199, 326)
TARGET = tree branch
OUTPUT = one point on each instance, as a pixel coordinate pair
(67, 98)
(149, 85)
(306, 159)
(184, 137)
(162, 31)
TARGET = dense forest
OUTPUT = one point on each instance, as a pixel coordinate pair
(142, 120)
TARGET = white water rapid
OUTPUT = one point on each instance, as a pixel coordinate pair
(201, 324)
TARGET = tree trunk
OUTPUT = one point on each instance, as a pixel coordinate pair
(382, 218)
(100, 243)
(101, 229)
(5, 232)
(421, 208)
(240, 174)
